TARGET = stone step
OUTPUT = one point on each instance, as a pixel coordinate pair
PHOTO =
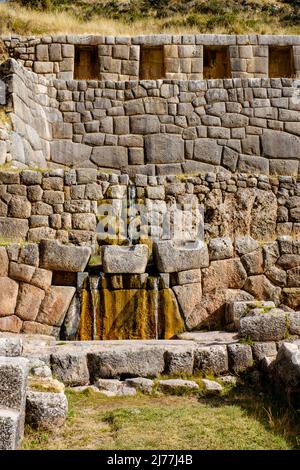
(13, 383)
(9, 429)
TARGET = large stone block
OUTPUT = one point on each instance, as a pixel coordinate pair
(211, 359)
(110, 157)
(19, 207)
(286, 367)
(29, 301)
(57, 257)
(55, 305)
(3, 262)
(269, 326)
(46, 410)
(262, 289)
(237, 310)
(208, 151)
(9, 429)
(144, 361)
(12, 324)
(220, 248)
(278, 144)
(189, 298)
(10, 347)
(240, 357)
(144, 124)
(124, 259)
(13, 380)
(13, 229)
(179, 360)
(70, 368)
(69, 153)
(173, 256)
(164, 148)
(224, 274)
(8, 296)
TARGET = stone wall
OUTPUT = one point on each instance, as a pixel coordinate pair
(153, 127)
(251, 235)
(119, 57)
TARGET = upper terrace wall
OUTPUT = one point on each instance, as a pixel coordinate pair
(152, 126)
(182, 57)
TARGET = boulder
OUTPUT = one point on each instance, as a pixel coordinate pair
(114, 388)
(212, 387)
(57, 257)
(173, 256)
(291, 297)
(140, 383)
(253, 262)
(176, 386)
(207, 151)
(12, 324)
(46, 410)
(124, 259)
(270, 326)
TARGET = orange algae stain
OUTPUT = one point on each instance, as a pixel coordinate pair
(129, 314)
(85, 330)
(170, 319)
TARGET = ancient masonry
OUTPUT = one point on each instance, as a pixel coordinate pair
(202, 127)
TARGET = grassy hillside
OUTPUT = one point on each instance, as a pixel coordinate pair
(150, 16)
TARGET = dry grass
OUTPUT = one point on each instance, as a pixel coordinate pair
(178, 17)
(242, 420)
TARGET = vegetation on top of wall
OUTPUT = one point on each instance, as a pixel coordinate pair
(150, 16)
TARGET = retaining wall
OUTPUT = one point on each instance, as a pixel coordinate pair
(152, 127)
(119, 58)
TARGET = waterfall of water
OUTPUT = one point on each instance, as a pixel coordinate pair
(131, 196)
(95, 298)
(156, 304)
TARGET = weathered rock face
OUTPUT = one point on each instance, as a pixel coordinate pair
(122, 259)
